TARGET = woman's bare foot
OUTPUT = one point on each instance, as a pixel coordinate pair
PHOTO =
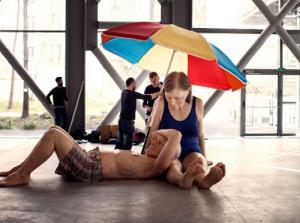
(215, 175)
(14, 180)
(188, 177)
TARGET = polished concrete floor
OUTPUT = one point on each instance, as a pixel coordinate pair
(262, 185)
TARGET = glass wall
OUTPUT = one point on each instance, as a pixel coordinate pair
(44, 43)
(224, 117)
(237, 14)
(102, 93)
(46, 52)
(245, 15)
(290, 91)
(41, 15)
(261, 104)
(230, 14)
(133, 10)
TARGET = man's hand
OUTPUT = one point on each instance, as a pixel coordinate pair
(169, 132)
(148, 108)
(157, 94)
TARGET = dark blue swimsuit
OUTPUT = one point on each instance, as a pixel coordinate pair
(189, 129)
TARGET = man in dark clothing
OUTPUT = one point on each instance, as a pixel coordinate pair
(59, 100)
(127, 115)
(154, 87)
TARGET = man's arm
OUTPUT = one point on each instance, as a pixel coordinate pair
(142, 96)
(66, 97)
(147, 96)
(48, 96)
(169, 151)
(155, 119)
(145, 102)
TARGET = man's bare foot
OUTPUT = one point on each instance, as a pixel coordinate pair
(6, 173)
(215, 175)
(188, 177)
(14, 180)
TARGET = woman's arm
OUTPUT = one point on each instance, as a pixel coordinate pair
(201, 135)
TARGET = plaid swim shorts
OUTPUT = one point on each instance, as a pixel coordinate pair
(80, 165)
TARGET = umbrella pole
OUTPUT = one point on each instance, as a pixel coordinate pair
(170, 63)
(75, 109)
(150, 124)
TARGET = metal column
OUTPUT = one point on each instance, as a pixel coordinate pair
(279, 103)
(182, 13)
(280, 86)
(91, 24)
(75, 62)
(243, 113)
(166, 11)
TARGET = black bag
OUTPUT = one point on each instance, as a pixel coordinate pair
(79, 135)
(94, 136)
(139, 136)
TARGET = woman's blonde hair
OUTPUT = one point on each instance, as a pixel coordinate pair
(178, 80)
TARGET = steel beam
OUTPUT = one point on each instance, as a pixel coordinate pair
(271, 71)
(120, 83)
(256, 46)
(238, 31)
(112, 114)
(212, 101)
(109, 68)
(289, 42)
(276, 21)
(26, 77)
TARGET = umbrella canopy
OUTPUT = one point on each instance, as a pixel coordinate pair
(165, 48)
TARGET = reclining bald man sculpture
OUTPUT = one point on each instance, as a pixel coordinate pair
(77, 164)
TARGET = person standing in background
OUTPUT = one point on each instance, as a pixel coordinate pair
(59, 102)
(127, 115)
(154, 87)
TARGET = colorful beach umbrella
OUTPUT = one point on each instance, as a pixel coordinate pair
(165, 48)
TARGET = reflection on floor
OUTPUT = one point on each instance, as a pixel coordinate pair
(262, 185)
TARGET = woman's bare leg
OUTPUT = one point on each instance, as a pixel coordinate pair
(52, 141)
(215, 175)
(14, 169)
